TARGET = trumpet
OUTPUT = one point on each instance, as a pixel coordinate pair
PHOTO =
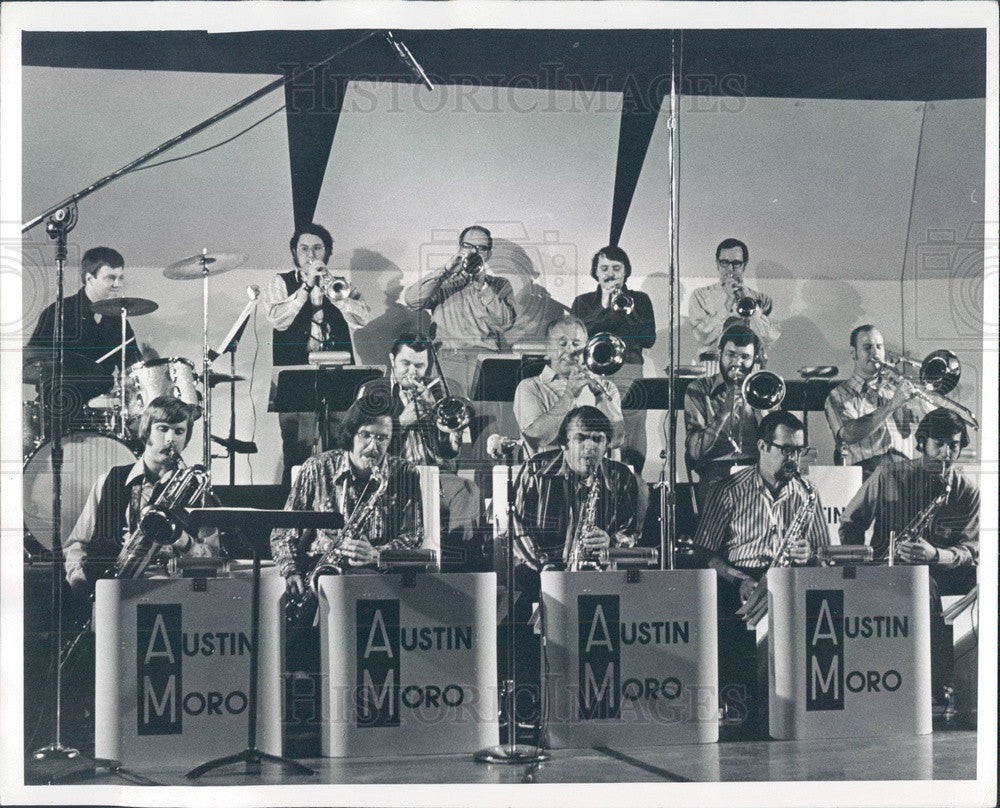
(622, 302)
(746, 306)
(940, 372)
(335, 287)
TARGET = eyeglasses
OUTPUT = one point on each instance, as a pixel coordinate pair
(315, 249)
(730, 264)
(380, 439)
(789, 452)
(479, 248)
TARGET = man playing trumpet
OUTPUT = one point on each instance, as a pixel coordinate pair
(542, 402)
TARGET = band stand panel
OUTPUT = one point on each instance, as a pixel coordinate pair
(836, 486)
(630, 664)
(849, 652)
(173, 668)
(409, 666)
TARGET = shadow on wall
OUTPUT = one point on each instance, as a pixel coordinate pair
(534, 306)
(657, 286)
(380, 283)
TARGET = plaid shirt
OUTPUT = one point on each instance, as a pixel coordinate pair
(745, 525)
(326, 482)
(854, 399)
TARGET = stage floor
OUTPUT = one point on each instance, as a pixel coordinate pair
(943, 755)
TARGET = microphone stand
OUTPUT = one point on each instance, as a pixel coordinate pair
(230, 344)
(511, 752)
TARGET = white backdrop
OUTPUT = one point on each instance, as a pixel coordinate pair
(836, 199)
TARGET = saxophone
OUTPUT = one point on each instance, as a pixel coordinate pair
(755, 605)
(919, 524)
(332, 561)
(577, 557)
(157, 523)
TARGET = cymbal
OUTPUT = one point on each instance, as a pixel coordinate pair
(134, 306)
(188, 269)
(223, 378)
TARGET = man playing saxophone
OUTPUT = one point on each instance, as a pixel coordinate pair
(751, 518)
(115, 504)
(378, 494)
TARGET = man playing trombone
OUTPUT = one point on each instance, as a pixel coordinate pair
(720, 425)
(873, 414)
(542, 402)
(760, 516)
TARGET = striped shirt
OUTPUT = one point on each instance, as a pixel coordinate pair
(744, 524)
(854, 399)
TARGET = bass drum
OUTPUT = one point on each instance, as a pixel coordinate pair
(86, 456)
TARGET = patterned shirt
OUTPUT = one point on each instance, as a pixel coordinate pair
(896, 492)
(707, 431)
(745, 524)
(327, 482)
(855, 398)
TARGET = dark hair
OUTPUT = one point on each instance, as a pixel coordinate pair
(567, 319)
(728, 244)
(97, 257)
(168, 410)
(741, 336)
(861, 329)
(489, 236)
(612, 253)
(590, 418)
(312, 229)
(941, 424)
(769, 424)
(365, 410)
(414, 341)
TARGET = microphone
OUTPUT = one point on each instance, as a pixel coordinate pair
(407, 59)
(819, 372)
(497, 446)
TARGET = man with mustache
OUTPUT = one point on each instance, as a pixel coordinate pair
(742, 527)
(340, 479)
(114, 506)
(873, 418)
(718, 423)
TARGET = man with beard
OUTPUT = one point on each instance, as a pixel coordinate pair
(873, 418)
(721, 427)
(361, 470)
(112, 510)
(743, 527)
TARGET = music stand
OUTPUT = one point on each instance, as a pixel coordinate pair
(496, 377)
(255, 526)
(321, 390)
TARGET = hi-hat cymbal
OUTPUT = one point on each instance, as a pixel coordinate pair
(134, 306)
(223, 378)
(188, 269)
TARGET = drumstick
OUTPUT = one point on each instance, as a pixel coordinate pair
(115, 350)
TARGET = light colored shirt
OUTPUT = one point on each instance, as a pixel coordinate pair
(744, 524)
(77, 542)
(281, 308)
(468, 316)
(708, 312)
(538, 395)
(854, 399)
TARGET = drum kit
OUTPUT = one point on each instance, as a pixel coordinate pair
(104, 433)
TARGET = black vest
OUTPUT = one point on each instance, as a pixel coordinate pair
(291, 346)
(109, 524)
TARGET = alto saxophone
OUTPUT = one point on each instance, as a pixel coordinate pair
(577, 556)
(331, 561)
(920, 523)
(756, 604)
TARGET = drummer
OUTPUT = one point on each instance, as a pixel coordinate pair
(87, 336)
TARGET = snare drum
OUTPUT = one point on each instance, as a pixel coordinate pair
(86, 456)
(32, 426)
(169, 376)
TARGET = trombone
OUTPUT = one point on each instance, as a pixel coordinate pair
(762, 390)
(939, 375)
